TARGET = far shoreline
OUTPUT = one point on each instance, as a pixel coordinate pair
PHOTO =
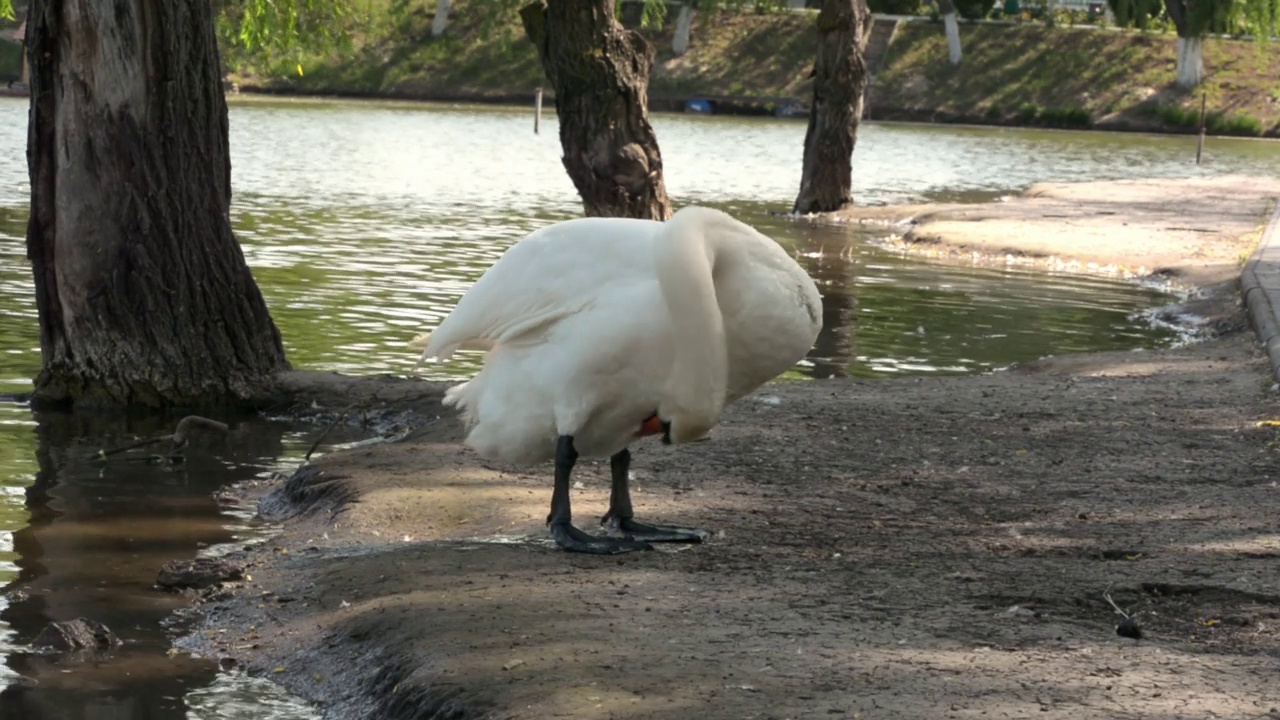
(674, 106)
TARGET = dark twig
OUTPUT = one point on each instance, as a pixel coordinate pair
(307, 458)
(179, 438)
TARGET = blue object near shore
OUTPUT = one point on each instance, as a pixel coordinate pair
(702, 107)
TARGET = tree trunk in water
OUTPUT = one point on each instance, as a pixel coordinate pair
(1190, 66)
(684, 23)
(143, 294)
(600, 73)
(840, 80)
(950, 21)
(441, 21)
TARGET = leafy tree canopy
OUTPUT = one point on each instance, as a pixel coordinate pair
(1197, 18)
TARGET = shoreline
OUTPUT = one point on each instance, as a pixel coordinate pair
(1145, 229)
(876, 538)
(733, 106)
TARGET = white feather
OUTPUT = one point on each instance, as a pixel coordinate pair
(590, 325)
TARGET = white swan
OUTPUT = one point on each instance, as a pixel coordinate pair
(602, 330)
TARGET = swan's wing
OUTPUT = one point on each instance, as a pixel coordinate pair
(550, 274)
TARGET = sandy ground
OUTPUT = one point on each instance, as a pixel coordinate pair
(910, 548)
(1191, 231)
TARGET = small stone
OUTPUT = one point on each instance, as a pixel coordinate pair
(198, 573)
(73, 635)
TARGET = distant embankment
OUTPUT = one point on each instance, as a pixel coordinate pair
(1014, 74)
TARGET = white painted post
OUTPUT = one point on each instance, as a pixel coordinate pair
(537, 109)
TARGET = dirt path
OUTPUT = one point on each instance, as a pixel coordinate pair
(912, 548)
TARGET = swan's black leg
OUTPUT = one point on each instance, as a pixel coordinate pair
(561, 518)
(620, 519)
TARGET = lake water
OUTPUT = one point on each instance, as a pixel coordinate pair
(364, 222)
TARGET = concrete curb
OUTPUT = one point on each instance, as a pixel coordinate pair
(1260, 288)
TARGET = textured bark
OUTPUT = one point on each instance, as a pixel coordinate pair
(839, 84)
(600, 73)
(143, 294)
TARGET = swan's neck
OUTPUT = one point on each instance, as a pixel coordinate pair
(686, 253)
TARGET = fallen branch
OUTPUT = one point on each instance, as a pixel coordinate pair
(179, 438)
(342, 415)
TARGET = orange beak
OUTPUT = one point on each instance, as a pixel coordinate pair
(651, 426)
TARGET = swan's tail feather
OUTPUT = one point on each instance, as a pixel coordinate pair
(423, 342)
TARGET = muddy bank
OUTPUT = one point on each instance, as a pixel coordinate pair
(926, 547)
(1192, 232)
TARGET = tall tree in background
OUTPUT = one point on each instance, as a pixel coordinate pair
(1194, 19)
(1192, 23)
(600, 74)
(144, 296)
(839, 84)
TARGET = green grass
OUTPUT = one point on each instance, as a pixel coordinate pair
(1077, 77)
(1022, 74)
(742, 54)
(1216, 122)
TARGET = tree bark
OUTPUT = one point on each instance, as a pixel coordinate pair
(600, 73)
(144, 296)
(839, 84)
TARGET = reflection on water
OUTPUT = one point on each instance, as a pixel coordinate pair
(97, 535)
(364, 222)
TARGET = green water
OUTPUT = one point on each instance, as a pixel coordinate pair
(364, 222)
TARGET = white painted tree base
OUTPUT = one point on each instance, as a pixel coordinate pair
(441, 21)
(953, 37)
(684, 23)
(1190, 61)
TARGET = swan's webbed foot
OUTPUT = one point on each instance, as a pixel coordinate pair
(628, 529)
(574, 540)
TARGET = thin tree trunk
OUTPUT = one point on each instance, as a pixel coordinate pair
(600, 73)
(143, 294)
(684, 23)
(839, 84)
(952, 24)
(440, 22)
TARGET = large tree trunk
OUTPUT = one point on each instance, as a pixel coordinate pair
(1190, 67)
(952, 24)
(1190, 64)
(600, 73)
(143, 294)
(839, 83)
